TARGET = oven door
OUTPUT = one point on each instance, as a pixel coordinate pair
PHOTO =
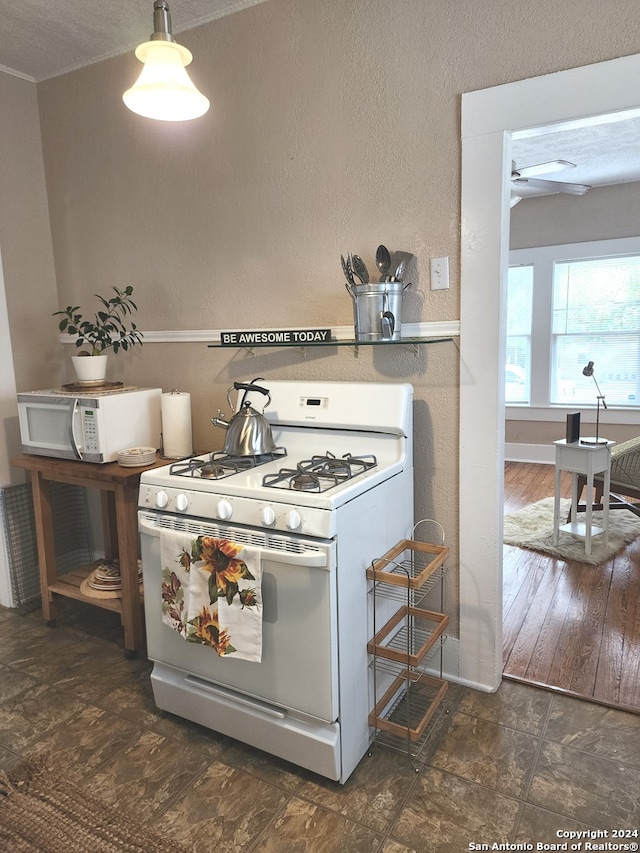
(299, 666)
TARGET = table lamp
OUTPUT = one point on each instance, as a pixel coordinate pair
(588, 371)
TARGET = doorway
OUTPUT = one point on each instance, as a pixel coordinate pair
(594, 93)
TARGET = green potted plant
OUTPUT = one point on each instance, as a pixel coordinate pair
(111, 327)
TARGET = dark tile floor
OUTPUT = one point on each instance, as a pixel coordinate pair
(518, 766)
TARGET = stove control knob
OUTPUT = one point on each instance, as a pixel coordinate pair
(268, 516)
(224, 510)
(162, 499)
(182, 502)
(293, 520)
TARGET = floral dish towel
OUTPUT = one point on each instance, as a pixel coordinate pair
(211, 593)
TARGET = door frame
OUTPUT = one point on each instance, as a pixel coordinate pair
(593, 94)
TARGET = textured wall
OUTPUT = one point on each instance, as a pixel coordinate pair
(604, 213)
(334, 125)
(25, 237)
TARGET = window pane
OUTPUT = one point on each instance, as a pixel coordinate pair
(615, 368)
(518, 348)
(596, 317)
(599, 295)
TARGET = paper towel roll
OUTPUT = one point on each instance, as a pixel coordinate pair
(176, 424)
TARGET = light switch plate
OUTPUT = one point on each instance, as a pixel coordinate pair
(439, 273)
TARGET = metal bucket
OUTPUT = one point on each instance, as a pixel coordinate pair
(377, 310)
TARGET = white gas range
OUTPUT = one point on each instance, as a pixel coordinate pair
(335, 494)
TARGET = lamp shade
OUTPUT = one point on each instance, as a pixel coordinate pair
(164, 90)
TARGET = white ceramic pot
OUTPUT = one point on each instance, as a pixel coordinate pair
(90, 368)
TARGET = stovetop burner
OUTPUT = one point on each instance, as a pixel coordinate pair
(305, 482)
(320, 473)
(219, 465)
(215, 470)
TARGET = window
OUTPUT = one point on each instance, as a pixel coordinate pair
(518, 353)
(567, 306)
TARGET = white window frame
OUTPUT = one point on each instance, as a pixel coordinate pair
(543, 258)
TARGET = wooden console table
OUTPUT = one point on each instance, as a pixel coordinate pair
(119, 498)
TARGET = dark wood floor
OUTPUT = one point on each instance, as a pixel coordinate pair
(568, 625)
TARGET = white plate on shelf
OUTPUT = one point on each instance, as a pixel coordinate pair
(136, 457)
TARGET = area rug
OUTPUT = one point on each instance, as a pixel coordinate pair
(41, 813)
(532, 527)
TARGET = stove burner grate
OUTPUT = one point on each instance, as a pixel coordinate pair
(320, 473)
(219, 465)
(304, 482)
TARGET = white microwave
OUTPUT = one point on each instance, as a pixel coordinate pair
(93, 426)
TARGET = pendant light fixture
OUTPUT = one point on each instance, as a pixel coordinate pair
(164, 91)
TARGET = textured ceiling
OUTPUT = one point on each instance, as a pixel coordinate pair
(605, 152)
(43, 39)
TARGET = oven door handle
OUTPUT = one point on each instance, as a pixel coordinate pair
(316, 559)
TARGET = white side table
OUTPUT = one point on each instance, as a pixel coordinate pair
(585, 459)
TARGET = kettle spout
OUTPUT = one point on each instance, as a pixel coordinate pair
(219, 420)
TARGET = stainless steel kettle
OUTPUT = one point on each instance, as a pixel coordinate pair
(248, 431)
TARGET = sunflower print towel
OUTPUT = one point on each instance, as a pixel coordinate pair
(211, 593)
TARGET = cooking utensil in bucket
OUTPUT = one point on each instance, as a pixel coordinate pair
(359, 268)
(383, 261)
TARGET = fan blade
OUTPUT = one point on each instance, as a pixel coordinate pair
(552, 186)
(543, 168)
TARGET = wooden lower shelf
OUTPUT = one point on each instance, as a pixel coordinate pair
(68, 585)
(408, 705)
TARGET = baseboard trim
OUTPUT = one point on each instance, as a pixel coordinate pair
(543, 454)
(451, 666)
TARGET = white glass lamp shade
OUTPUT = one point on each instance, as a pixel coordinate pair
(164, 90)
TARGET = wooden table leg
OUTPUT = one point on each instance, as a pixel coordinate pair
(126, 505)
(45, 541)
(109, 525)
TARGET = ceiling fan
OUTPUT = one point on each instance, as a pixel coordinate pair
(525, 178)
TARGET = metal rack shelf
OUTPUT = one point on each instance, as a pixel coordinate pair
(407, 706)
(391, 668)
(399, 592)
(408, 635)
(407, 697)
(409, 565)
(415, 749)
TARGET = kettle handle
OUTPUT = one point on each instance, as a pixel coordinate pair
(251, 386)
